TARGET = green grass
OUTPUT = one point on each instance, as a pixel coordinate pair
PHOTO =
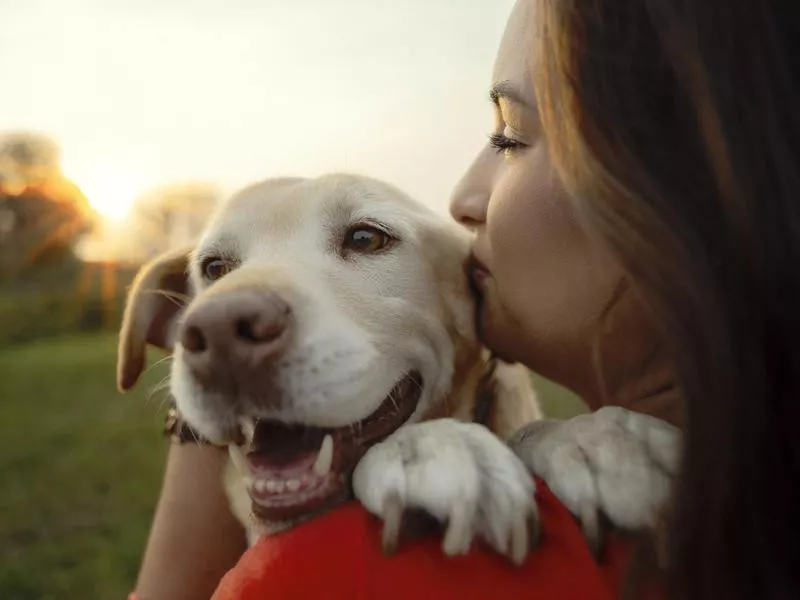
(557, 402)
(68, 296)
(81, 467)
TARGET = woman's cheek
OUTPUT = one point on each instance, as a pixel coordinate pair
(528, 220)
(540, 256)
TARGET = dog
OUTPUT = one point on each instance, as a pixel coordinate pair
(314, 319)
(324, 329)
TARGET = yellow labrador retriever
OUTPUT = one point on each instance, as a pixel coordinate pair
(320, 317)
(325, 333)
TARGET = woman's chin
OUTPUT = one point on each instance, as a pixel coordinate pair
(499, 336)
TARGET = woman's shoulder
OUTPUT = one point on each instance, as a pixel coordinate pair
(339, 556)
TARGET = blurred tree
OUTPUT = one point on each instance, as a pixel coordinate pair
(27, 159)
(42, 213)
(173, 215)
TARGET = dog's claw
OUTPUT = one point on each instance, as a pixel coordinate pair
(519, 541)
(458, 537)
(590, 524)
(392, 522)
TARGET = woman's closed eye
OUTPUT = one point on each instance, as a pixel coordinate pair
(504, 142)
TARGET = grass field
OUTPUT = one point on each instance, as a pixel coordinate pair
(81, 466)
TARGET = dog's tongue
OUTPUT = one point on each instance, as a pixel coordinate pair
(278, 446)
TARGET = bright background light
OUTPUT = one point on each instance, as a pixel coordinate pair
(111, 188)
(141, 92)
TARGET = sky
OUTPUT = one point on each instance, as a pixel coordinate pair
(144, 92)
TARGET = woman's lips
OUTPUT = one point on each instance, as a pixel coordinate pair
(478, 273)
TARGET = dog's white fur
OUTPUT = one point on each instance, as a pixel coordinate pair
(363, 322)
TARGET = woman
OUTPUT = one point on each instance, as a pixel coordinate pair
(663, 133)
(638, 222)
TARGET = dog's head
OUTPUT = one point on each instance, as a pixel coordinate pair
(314, 318)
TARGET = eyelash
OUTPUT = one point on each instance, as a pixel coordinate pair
(503, 143)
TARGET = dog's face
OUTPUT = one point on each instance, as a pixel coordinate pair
(323, 315)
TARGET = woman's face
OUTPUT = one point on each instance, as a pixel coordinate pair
(543, 286)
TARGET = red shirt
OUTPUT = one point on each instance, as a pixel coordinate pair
(338, 557)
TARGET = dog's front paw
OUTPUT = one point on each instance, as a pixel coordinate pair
(459, 473)
(612, 462)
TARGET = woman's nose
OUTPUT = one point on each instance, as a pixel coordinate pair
(469, 208)
(470, 198)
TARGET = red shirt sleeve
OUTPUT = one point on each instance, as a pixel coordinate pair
(338, 557)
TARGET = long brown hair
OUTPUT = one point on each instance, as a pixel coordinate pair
(676, 126)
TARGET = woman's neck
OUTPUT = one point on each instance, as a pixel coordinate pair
(630, 365)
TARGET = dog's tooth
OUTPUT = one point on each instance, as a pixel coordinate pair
(237, 458)
(271, 485)
(293, 485)
(279, 485)
(261, 485)
(322, 466)
(248, 428)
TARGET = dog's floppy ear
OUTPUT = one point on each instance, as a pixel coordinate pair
(158, 296)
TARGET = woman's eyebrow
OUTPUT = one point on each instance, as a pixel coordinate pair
(506, 89)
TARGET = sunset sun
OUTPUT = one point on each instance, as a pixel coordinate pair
(110, 189)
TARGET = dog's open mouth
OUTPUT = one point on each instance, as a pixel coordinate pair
(297, 470)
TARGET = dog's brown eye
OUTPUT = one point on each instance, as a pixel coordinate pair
(366, 240)
(215, 268)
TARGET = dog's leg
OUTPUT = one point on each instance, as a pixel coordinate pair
(461, 474)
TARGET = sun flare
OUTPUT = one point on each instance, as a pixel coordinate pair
(111, 189)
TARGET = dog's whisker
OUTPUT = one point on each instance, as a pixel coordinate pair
(163, 402)
(160, 361)
(172, 294)
(150, 401)
(160, 386)
(393, 400)
(177, 298)
(194, 435)
(152, 393)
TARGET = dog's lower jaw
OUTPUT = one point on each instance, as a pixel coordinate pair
(271, 527)
(255, 526)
